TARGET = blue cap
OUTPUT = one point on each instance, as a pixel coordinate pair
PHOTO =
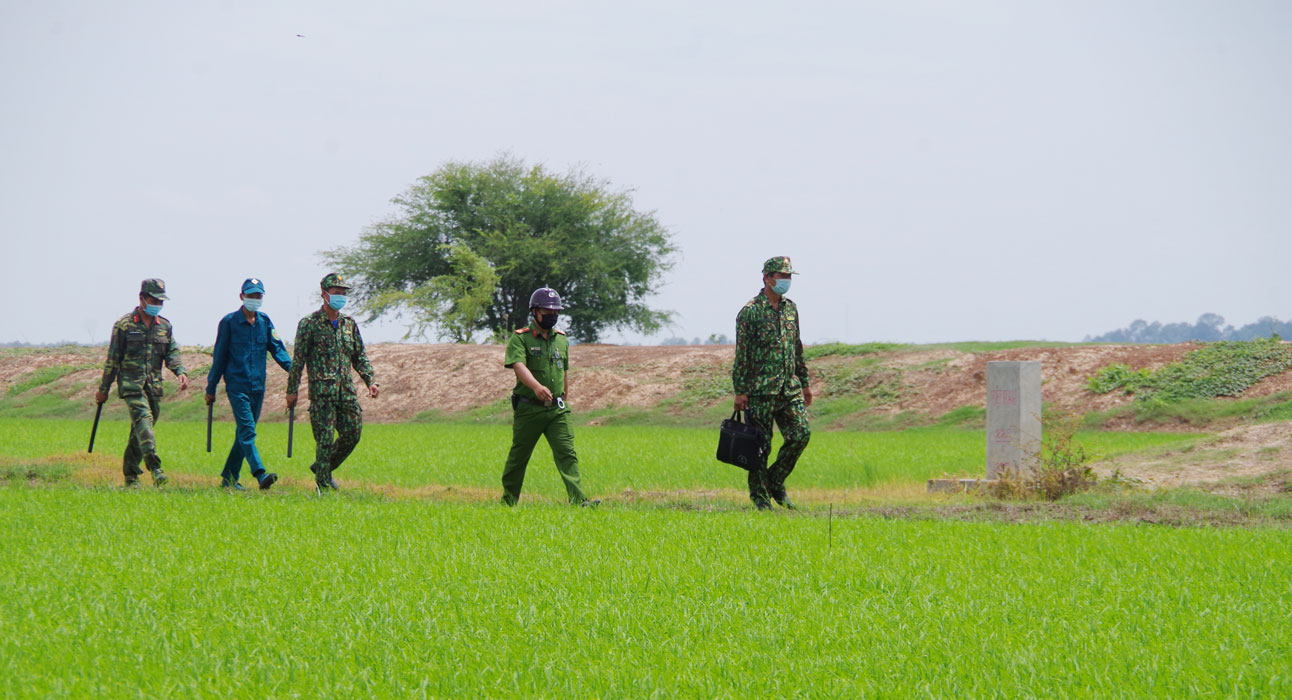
(253, 286)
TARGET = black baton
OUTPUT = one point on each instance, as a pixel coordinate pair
(291, 423)
(97, 412)
(209, 407)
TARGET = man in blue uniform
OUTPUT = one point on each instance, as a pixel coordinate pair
(241, 342)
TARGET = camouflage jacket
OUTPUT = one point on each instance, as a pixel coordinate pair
(136, 354)
(329, 353)
(769, 352)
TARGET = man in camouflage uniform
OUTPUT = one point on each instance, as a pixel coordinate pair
(328, 344)
(540, 355)
(141, 341)
(770, 379)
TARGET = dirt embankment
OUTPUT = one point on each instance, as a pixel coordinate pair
(454, 378)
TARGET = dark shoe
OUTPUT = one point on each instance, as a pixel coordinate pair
(268, 481)
(132, 483)
(783, 499)
(159, 477)
(227, 484)
(590, 504)
(762, 505)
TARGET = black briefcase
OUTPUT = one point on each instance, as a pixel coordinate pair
(740, 442)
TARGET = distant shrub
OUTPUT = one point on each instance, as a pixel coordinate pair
(845, 350)
(1225, 368)
(1114, 377)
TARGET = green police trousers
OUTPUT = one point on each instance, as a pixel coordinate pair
(145, 409)
(529, 422)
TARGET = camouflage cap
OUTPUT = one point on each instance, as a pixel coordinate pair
(154, 288)
(780, 263)
(334, 279)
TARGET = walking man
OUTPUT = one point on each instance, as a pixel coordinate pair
(540, 355)
(241, 341)
(770, 379)
(328, 344)
(142, 341)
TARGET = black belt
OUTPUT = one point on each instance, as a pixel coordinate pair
(559, 401)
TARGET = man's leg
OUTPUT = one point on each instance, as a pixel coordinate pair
(349, 428)
(791, 417)
(761, 409)
(233, 463)
(322, 421)
(560, 437)
(527, 423)
(143, 442)
(246, 411)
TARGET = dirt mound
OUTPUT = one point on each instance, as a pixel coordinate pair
(1253, 457)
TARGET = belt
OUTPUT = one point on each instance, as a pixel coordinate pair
(559, 401)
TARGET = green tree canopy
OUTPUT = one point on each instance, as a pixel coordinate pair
(471, 241)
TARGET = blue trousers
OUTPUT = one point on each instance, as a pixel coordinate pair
(246, 411)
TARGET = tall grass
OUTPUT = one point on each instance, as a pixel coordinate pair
(203, 594)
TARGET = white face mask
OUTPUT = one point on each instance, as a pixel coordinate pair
(781, 286)
(252, 304)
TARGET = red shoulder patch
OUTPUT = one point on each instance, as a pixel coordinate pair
(522, 330)
(558, 330)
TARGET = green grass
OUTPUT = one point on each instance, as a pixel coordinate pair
(43, 376)
(1199, 413)
(205, 594)
(612, 458)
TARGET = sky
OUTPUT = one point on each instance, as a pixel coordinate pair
(937, 171)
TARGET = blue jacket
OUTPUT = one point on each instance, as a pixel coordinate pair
(239, 354)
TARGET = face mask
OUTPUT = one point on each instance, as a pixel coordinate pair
(252, 304)
(152, 309)
(336, 301)
(781, 286)
(548, 321)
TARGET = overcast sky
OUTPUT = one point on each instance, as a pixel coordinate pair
(937, 170)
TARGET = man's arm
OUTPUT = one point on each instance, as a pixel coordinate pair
(112, 365)
(527, 378)
(359, 360)
(800, 365)
(299, 353)
(742, 365)
(174, 363)
(219, 358)
(277, 348)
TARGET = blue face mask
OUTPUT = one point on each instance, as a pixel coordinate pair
(252, 305)
(781, 286)
(152, 309)
(336, 301)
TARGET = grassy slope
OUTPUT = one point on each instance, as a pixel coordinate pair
(199, 594)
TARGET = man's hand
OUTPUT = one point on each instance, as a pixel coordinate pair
(374, 390)
(543, 393)
(210, 399)
(291, 400)
(807, 396)
(183, 382)
(742, 402)
(100, 396)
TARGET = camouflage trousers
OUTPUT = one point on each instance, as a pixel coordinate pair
(337, 425)
(789, 413)
(145, 410)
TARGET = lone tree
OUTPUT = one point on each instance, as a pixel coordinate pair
(471, 241)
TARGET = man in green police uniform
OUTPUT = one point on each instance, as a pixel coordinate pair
(770, 379)
(328, 344)
(141, 341)
(540, 356)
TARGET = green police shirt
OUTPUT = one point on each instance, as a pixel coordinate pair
(546, 358)
(136, 353)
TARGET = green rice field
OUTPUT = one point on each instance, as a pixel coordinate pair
(193, 591)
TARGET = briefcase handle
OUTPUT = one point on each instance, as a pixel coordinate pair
(741, 416)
